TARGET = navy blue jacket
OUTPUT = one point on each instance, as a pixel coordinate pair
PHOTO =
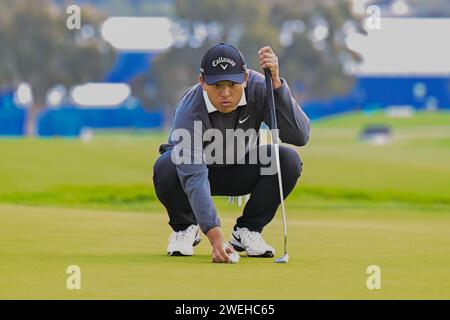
(293, 125)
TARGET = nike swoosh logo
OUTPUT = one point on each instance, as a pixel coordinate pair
(224, 67)
(238, 239)
(243, 120)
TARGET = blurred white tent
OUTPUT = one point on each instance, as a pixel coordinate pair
(404, 46)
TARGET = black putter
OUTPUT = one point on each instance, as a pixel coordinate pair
(274, 129)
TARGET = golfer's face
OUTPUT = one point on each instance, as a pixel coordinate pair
(224, 95)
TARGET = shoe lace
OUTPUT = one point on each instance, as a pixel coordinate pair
(253, 237)
(184, 235)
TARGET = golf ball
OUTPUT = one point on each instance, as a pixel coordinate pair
(234, 257)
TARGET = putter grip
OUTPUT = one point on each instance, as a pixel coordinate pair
(271, 105)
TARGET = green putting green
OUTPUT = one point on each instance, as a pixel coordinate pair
(64, 202)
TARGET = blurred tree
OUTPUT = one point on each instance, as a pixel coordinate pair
(144, 89)
(316, 56)
(177, 69)
(36, 47)
(307, 35)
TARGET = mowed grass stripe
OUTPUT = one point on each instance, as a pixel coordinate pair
(122, 255)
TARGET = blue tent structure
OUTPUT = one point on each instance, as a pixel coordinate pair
(69, 120)
(129, 65)
(12, 118)
(368, 93)
(396, 90)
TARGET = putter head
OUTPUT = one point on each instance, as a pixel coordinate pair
(283, 259)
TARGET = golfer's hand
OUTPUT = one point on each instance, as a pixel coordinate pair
(268, 59)
(219, 253)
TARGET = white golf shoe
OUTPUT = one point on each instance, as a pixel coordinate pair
(251, 242)
(182, 243)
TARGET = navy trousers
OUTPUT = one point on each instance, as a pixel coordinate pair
(230, 180)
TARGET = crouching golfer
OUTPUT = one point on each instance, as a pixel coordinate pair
(202, 158)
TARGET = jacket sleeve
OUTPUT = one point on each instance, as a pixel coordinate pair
(293, 124)
(192, 170)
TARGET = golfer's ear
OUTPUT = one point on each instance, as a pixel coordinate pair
(202, 82)
(245, 79)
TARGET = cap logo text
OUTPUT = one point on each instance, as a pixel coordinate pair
(223, 62)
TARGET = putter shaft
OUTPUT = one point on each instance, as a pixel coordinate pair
(274, 128)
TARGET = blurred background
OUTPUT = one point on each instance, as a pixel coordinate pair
(129, 61)
(87, 93)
